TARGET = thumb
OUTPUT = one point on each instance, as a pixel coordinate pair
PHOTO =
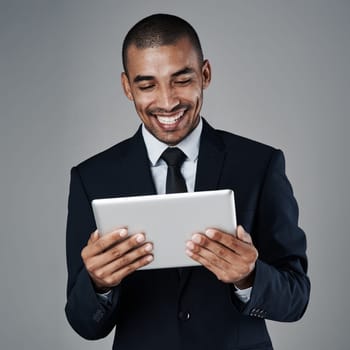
(243, 235)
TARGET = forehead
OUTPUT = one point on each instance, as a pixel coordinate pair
(162, 60)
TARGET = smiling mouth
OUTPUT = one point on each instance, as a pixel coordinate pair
(169, 119)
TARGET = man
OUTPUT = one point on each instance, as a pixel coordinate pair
(242, 280)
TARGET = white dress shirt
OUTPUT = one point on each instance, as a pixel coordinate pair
(159, 168)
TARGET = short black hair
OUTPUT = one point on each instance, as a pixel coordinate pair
(158, 30)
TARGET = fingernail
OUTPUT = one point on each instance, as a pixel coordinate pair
(123, 232)
(189, 253)
(140, 238)
(149, 258)
(210, 233)
(190, 245)
(148, 247)
(196, 238)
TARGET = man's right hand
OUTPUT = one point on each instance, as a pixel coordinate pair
(111, 257)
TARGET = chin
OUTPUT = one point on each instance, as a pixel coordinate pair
(172, 140)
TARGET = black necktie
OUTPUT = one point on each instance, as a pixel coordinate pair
(174, 158)
(175, 182)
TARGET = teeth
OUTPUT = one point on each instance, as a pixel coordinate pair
(170, 120)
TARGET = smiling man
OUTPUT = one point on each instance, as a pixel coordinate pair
(243, 279)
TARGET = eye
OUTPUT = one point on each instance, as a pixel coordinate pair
(183, 82)
(146, 87)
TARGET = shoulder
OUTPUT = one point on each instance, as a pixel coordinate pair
(237, 145)
(251, 155)
(234, 140)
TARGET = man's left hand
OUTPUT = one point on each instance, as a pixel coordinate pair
(230, 257)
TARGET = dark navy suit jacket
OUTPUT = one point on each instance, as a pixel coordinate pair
(156, 309)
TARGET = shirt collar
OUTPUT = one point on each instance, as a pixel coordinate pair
(189, 145)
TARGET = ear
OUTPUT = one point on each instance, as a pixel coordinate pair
(126, 86)
(206, 74)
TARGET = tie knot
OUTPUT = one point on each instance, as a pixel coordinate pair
(173, 156)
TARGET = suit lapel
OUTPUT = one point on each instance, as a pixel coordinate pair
(138, 177)
(210, 159)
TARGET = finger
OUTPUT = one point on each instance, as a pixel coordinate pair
(210, 255)
(230, 241)
(224, 271)
(116, 251)
(123, 261)
(106, 241)
(218, 269)
(120, 249)
(115, 278)
(227, 247)
(243, 235)
(93, 237)
(221, 256)
(199, 244)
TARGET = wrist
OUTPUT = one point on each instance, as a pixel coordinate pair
(246, 282)
(101, 289)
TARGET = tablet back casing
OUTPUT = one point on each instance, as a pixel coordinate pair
(168, 220)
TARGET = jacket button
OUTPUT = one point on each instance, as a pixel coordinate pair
(184, 315)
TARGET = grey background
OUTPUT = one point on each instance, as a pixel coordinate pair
(280, 75)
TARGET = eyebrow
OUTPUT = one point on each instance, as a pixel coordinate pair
(140, 78)
(186, 70)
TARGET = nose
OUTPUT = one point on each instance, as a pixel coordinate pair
(167, 98)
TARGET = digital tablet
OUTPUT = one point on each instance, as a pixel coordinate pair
(168, 220)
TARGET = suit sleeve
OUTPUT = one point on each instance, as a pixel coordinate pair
(281, 288)
(89, 316)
